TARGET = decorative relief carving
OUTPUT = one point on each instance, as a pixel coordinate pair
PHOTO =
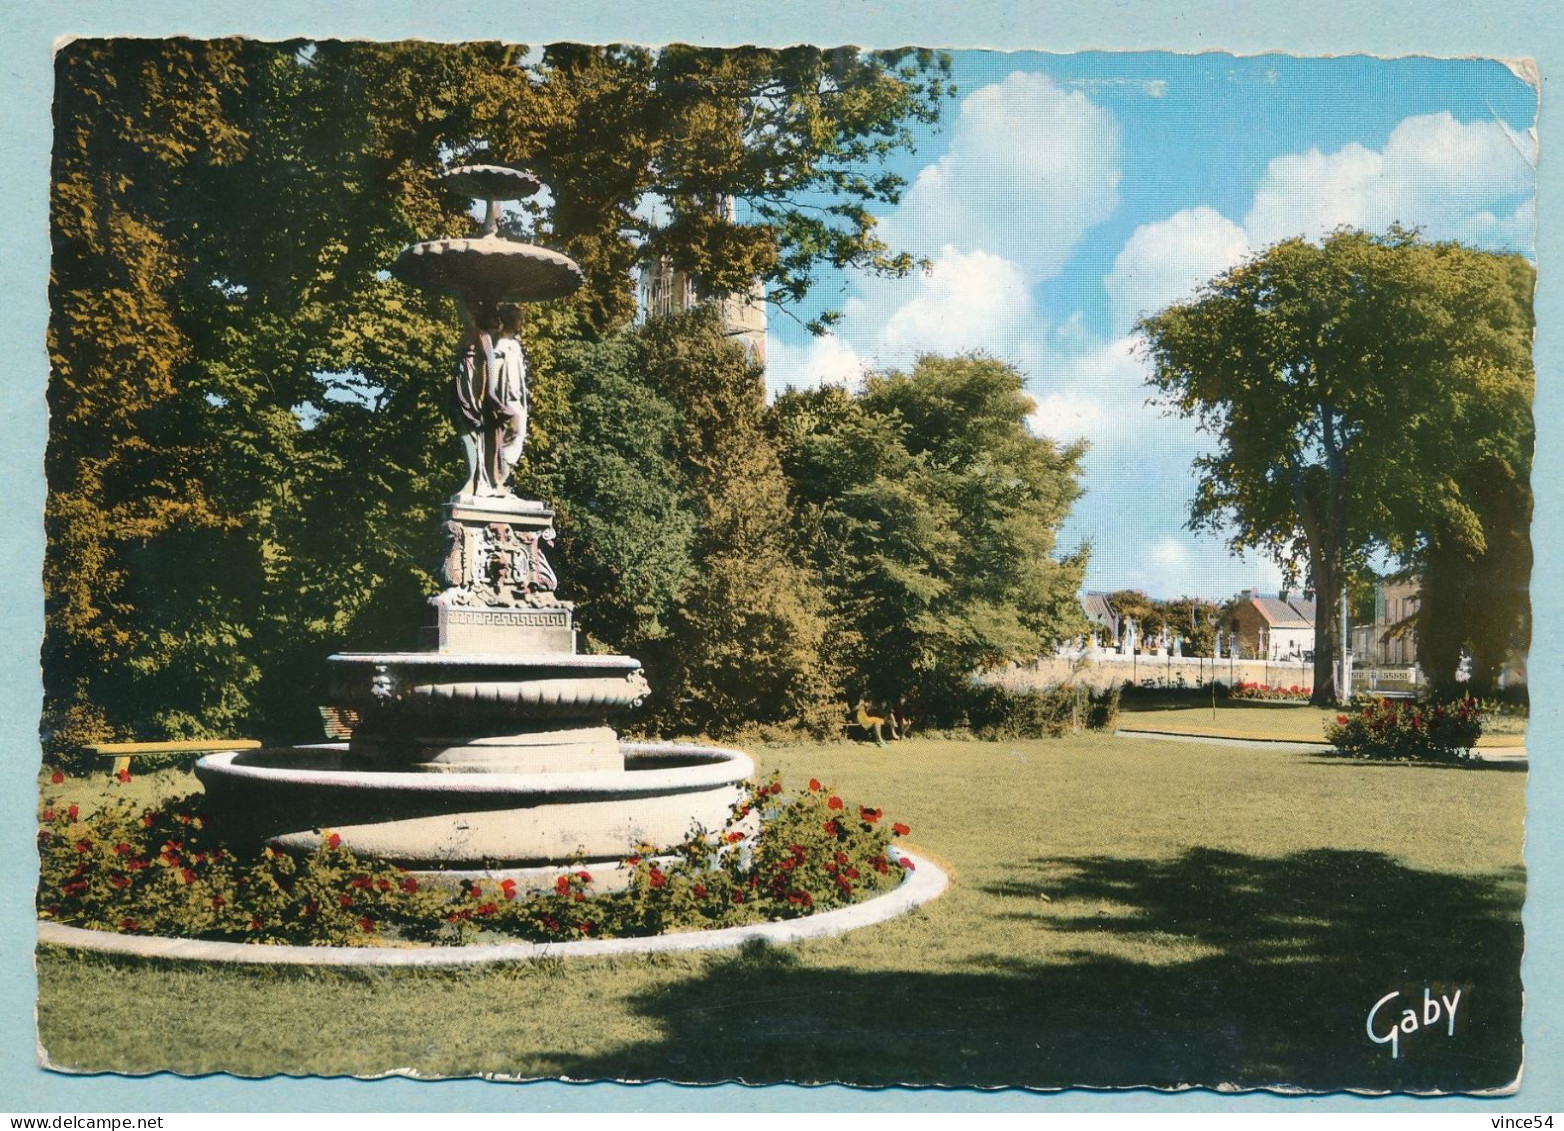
(498, 565)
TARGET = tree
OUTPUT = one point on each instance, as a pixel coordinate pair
(1195, 621)
(931, 513)
(796, 137)
(1346, 384)
(1148, 614)
(745, 646)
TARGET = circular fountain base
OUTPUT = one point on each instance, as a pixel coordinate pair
(297, 796)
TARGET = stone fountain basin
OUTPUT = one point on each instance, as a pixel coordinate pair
(295, 796)
(492, 266)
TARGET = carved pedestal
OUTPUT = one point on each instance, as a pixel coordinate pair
(499, 595)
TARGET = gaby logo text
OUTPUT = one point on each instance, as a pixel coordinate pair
(1384, 1030)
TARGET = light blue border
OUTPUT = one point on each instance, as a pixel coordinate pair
(1496, 28)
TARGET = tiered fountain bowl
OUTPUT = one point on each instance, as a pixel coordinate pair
(491, 747)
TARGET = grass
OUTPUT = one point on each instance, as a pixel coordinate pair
(1122, 913)
(1273, 721)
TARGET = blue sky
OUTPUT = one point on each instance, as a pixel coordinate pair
(1062, 196)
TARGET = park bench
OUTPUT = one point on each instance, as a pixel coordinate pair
(123, 752)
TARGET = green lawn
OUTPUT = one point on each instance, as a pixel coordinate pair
(1274, 721)
(1122, 912)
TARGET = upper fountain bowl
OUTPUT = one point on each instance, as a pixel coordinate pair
(492, 182)
(490, 267)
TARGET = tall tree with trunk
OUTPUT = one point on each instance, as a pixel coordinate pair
(1346, 384)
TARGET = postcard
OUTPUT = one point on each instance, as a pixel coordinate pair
(904, 568)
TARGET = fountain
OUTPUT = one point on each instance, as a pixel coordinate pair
(489, 748)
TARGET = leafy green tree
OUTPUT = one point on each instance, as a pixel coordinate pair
(745, 646)
(1195, 621)
(1473, 598)
(932, 512)
(795, 137)
(1346, 384)
(1147, 613)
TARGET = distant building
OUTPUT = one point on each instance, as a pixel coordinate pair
(1391, 639)
(666, 289)
(1103, 620)
(1271, 628)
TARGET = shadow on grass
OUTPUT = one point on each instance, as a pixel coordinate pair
(1243, 970)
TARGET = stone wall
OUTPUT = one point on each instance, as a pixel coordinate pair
(1112, 670)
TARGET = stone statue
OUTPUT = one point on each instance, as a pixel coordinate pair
(489, 397)
(470, 379)
(508, 398)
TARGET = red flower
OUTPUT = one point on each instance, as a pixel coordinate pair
(776, 788)
(72, 812)
(146, 820)
(311, 907)
(333, 842)
(187, 875)
(1341, 720)
(123, 775)
(57, 777)
(345, 899)
(870, 815)
(48, 814)
(129, 925)
(508, 888)
(830, 827)
(367, 925)
(409, 885)
(218, 901)
(834, 803)
(84, 846)
(735, 837)
(814, 785)
(584, 877)
(255, 924)
(120, 881)
(581, 897)
(476, 892)
(700, 891)
(490, 908)
(632, 860)
(900, 829)
(657, 878)
(562, 885)
(906, 862)
(852, 873)
(383, 884)
(738, 897)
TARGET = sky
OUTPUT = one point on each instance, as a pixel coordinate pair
(1062, 197)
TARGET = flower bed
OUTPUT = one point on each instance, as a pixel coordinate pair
(161, 872)
(1407, 731)
(1290, 694)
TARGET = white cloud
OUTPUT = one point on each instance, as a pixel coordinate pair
(1165, 261)
(1030, 167)
(1065, 418)
(825, 360)
(967, 300)
(1095, 393)
(1468, 181)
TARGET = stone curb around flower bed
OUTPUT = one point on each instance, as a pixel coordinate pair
(925, 882)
